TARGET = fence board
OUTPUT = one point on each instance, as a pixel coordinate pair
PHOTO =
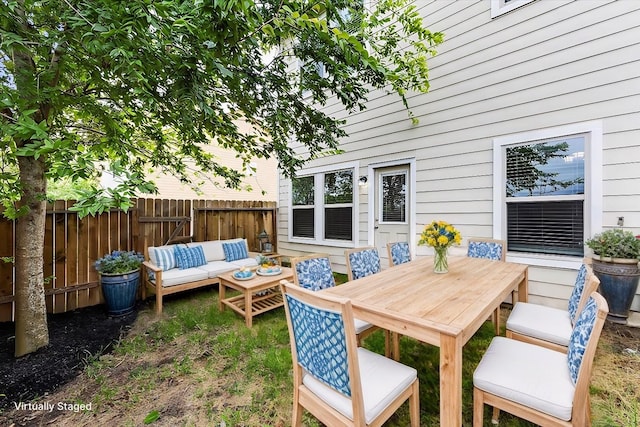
(59, 267)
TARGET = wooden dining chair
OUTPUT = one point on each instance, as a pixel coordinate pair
(492, 249)
(399, 253)
(363, 262)
(549, 326)
(338, 382)
(536, 383)
(314, 272)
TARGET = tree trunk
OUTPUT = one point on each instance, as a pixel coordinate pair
(32, 332)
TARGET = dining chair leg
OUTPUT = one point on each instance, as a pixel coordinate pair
(495, 417)
(395, 339)
(388, 337)
(414, 405)
(478, 408)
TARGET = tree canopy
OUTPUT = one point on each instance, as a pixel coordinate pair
(130, 86)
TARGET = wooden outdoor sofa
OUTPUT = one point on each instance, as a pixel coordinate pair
(175, 268)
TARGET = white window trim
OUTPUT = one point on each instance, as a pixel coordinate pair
(498, 7)
(593, 187)
(319, 208)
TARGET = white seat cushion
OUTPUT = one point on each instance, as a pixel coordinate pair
(539, 321)
(382, 380)
(176, 276)
(214, 268)
(531, 375)
(245, 262)
(361, 325)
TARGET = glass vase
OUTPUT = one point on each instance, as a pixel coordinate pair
(440, 264)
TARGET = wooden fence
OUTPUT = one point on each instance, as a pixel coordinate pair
(72, 244)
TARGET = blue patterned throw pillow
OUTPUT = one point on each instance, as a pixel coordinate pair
(580, 337)
(235, 251)
(189, 257)
(164, 258)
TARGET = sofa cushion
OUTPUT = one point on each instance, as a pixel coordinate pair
(213, 248)
(189, 257)
(177, 277)
(214, 268)
(245, 262)
(163, 257)
(235, 250)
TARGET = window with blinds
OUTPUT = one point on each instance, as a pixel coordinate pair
(338, 205)
(303, 206)
(544, 192)
(332, 193)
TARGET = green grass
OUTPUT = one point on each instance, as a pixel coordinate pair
(243, 377)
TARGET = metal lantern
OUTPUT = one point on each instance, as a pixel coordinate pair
(265, 243)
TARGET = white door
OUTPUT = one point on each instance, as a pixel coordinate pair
(392, 203)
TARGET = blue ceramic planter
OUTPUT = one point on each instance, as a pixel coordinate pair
(119, 291)
(618, 285)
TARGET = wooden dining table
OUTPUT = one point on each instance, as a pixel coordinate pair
(439, 309)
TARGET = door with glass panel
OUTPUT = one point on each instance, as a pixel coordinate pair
(391, 215)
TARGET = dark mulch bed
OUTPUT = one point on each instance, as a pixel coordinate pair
(74, 338)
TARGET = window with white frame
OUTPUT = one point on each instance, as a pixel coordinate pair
(548, 195)
(499, 7)
(322, 206)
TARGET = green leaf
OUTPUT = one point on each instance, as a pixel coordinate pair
(152, 417)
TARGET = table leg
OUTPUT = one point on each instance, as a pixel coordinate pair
(450, 381)
(221, 296)
(248, 308)
(523, 288)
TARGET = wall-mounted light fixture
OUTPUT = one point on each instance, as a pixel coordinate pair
(362, 181)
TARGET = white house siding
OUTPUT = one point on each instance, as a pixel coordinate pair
(548, 64)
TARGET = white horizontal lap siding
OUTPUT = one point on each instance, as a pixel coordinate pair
(544, 65)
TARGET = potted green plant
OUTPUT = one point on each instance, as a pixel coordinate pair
(119, 279)
(615, 263)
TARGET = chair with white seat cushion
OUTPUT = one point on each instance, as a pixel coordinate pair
(362, 262)
(536, 383)
(549, 326)
(314, 272)
(334, 379)
(495, 250)
(399, 253)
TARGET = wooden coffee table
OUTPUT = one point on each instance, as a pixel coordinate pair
(259, 294)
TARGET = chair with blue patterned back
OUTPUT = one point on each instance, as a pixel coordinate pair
(549, 326)
(362, 262)
(539, 384)
(335, 380)
(399, 253)
(492, 249)
(314, 272)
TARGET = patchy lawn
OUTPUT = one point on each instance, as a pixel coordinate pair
(195, 366)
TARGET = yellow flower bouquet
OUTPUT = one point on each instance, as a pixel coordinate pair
(440, 235)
